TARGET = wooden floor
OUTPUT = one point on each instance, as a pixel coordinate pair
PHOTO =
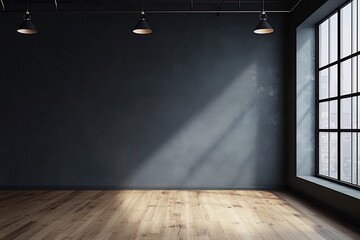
(164, 215)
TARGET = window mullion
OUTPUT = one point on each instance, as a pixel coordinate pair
(357, 90)
(338, 94)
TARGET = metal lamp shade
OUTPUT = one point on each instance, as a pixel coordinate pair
(263, 27)
(142, 27)
(27, 26)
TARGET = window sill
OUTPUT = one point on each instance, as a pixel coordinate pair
(333, 186)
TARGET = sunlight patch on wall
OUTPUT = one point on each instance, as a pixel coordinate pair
(218, 142)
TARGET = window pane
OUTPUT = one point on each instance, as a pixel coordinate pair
(345, 159)
(354, 75)
(358, 112)
(324, 154)
(333, 114)
(358, 161)
(354, 157)
(324, 84)
(358, 76)
(324, 115)
(346, 77)
(354, 115)
(324, 43)
(333, 81)
(333, 38)
(358, 23)
(346, 113)
(354, 26)
(346, 31)
(333, 155)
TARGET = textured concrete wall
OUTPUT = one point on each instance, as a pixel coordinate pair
(87, 104)
(305, 101)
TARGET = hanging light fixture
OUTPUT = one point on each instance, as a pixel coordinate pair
(263, 26)
(27, 26)
(142, 27)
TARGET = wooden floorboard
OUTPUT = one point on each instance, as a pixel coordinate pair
(135, 214)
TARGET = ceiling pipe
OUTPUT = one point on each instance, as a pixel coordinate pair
(160, 11)
(156, 11)
(293, 8)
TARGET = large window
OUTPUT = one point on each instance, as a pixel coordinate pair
(338, 96)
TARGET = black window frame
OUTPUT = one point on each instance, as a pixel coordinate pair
(318, 69)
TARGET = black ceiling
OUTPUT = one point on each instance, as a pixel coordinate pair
(150, 5)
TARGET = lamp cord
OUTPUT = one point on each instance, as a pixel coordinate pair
(263, 6)
(3, 5)
(27, 5)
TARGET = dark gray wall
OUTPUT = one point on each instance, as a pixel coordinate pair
(301, 116)
(88, 104)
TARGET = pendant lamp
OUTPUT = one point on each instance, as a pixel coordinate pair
(263, 26)
(142, 27)
(27, 26)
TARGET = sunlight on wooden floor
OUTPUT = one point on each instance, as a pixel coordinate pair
(134, 214)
